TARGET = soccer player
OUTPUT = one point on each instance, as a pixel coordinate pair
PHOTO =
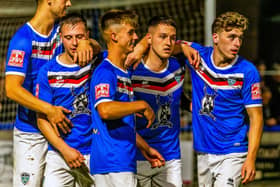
(158, 80)
(33, 45)
(113, 152)
(64, 83)
(224, 87)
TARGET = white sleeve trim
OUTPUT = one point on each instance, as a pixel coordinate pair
(15, 73)
(253, 105)
(102, 101)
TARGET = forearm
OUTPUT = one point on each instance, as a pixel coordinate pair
(141, 143)
(114, 109)
(142, 46)
(180, 46)
(255, 133)
(25, 98)
(50, 134)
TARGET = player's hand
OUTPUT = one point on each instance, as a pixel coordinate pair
(57, 118)
(248, 171)
(154, 157)
(149, 115)
(133, 58)
(192, 55)
(73, 157)
(86, 50)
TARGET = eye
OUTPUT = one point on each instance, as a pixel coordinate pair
(173, 37)
(162, 36)
(80, 36)
(67, 37)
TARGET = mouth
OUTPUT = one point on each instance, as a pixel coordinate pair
(234, 51)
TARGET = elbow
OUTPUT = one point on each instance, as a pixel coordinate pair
(103, 113)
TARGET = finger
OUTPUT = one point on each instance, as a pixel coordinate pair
(136, 64)
(91, 54)
(198, 61)
(68, 122)
(55, 129)
(88, 55)
(61, 127)
(65, 111)
(149, 124)
(139, 115)
(66, 126)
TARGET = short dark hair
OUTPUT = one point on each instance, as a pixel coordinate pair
(116, 16)
(72, 18)
(166, 20)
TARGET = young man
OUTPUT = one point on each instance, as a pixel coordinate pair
(113, 152)
(33, 45)
(64, 83)
(158, 80)
(224, 87)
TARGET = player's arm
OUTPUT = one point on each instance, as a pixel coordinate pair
(191, 53)
(72, 156)
(151, 154)
(134, 58)
(112, 110)
(86, 50)
(254, 138)
(16, 92)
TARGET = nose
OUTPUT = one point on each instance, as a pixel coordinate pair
(75, 41)
(135, 37)
(238, 42)
(68, 3)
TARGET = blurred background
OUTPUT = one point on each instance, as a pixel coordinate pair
(194, 18)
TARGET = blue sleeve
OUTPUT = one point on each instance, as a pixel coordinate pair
(104, 85)
(19, 54)
(43, 89)
(251, 90)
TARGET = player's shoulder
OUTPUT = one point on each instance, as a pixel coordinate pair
(104, 67)
(246, 65)
(22, 37)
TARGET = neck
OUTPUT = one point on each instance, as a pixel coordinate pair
(66, 59)
(117, 57)
(221, 61)
(43, 20)
(154, 62)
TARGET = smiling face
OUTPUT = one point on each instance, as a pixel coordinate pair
(71, 34)
(162, 39)
(126, 37)
(228, 43)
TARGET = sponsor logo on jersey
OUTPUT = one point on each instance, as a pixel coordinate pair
(231, 81)
(102, 90)
(256, 91)
(16, 58)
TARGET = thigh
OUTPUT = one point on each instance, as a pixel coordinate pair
(204, 174)
(29, 158)
(127, 179)
(144, 174)
(170, 175)
(228, 174)
(56, 173)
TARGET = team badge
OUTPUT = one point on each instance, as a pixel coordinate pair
(25, 178)
(178, 78)
(16, 58)
(231, 81)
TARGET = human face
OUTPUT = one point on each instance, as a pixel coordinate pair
(162, 40)
(228, 43)
(126, 38)
(71, 34)
(58, 7)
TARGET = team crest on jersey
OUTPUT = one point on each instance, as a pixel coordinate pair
(80, 103)
(178, 78)
(207, 104)
(25, 178)
(16, 58)
(164, 112)
(231, 81)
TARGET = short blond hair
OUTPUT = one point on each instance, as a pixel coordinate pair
(117, 17)
(228, 21)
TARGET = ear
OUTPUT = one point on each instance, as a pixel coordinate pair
(114, 37)
(149, 38)
(49, 2)
(215, 37)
